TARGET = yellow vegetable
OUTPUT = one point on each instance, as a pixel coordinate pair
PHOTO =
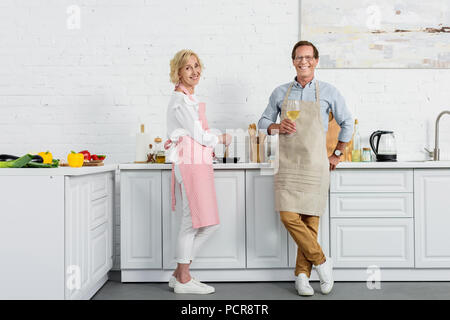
(47, 156)
(75, 160)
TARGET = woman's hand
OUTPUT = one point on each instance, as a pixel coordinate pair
(225, 139)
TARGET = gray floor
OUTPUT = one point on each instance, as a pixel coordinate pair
(115, 290)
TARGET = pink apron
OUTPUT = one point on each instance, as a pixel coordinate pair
(195, 164)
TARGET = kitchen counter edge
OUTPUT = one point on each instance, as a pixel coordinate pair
(342, 165)
(60, 171)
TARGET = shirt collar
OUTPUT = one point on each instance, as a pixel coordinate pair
(309, 84)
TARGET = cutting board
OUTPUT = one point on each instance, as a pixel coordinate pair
(332, 134)
(92, 164)
(332, 139)
(85, 164)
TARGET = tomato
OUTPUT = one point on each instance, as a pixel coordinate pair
(94, 157)
(87, 155)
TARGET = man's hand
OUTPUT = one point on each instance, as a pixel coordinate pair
(334, 161)
(285, 127)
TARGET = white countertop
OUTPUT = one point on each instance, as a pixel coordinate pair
(342, 165)
(60, 171)
(68, 171)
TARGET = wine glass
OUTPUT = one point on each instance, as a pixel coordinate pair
(292, 113)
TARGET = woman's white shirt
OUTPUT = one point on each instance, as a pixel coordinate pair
(182, 119)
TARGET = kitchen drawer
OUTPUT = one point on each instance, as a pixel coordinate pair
(99, 212)
(99, 186)
(368, 205)
(384, 242)
(372, 180)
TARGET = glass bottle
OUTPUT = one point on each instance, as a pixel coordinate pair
(366, 155)
(356, 152)
(151, 154)
(159, 151)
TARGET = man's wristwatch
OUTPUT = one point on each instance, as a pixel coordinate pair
(337, 152)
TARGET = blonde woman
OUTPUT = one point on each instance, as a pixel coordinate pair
(189, 137)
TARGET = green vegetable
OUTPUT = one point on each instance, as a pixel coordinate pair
(18, 163)
(54, 164)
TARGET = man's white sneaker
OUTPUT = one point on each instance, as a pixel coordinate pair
(193, 287)
(204, 285)
(302, 285)
(172, 282)
(325, 273)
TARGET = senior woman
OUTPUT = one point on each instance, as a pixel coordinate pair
(191, 145)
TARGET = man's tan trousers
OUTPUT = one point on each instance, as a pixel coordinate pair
(303, 229)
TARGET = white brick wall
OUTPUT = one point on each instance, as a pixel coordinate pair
(89, 88)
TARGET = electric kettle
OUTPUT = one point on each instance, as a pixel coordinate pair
(384, 147)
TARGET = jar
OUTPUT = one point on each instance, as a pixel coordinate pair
(365, 157)
(160, 156)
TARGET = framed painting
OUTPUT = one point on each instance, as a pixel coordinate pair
(378, 33)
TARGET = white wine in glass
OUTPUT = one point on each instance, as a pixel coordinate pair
(292, 112)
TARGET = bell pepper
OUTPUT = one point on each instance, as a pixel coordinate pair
(47, 156)
(86, 154)
(75, 160)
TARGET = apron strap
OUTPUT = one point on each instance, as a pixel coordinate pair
(317, 92)
(172, 186)
(287, 95)
(183, 88)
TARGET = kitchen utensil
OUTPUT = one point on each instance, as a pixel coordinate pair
(384, 147)
(261, 149)
(253, 143)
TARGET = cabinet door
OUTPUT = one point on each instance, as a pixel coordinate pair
(100, 261)
(77, 226)
(140, 219)
(100, 236)
(266, 234)
(323, 237)
(361, 242)
(432, 217)
(226, 247)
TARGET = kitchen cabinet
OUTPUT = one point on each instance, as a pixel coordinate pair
(225, 249)
(389, 215)
(432, 218)
(360, 243)
(267, 245)
(89, 237)
(370, 226)
(140, 219)
(56, 230)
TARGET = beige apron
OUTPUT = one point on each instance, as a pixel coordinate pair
(302, 180)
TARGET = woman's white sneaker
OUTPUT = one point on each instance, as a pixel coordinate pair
(193, 287)
(325, 273)
(172, 282)
(302, 285)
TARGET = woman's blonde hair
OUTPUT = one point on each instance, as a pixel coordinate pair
(179, 61)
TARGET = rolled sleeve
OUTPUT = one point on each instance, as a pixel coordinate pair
(269, 115)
